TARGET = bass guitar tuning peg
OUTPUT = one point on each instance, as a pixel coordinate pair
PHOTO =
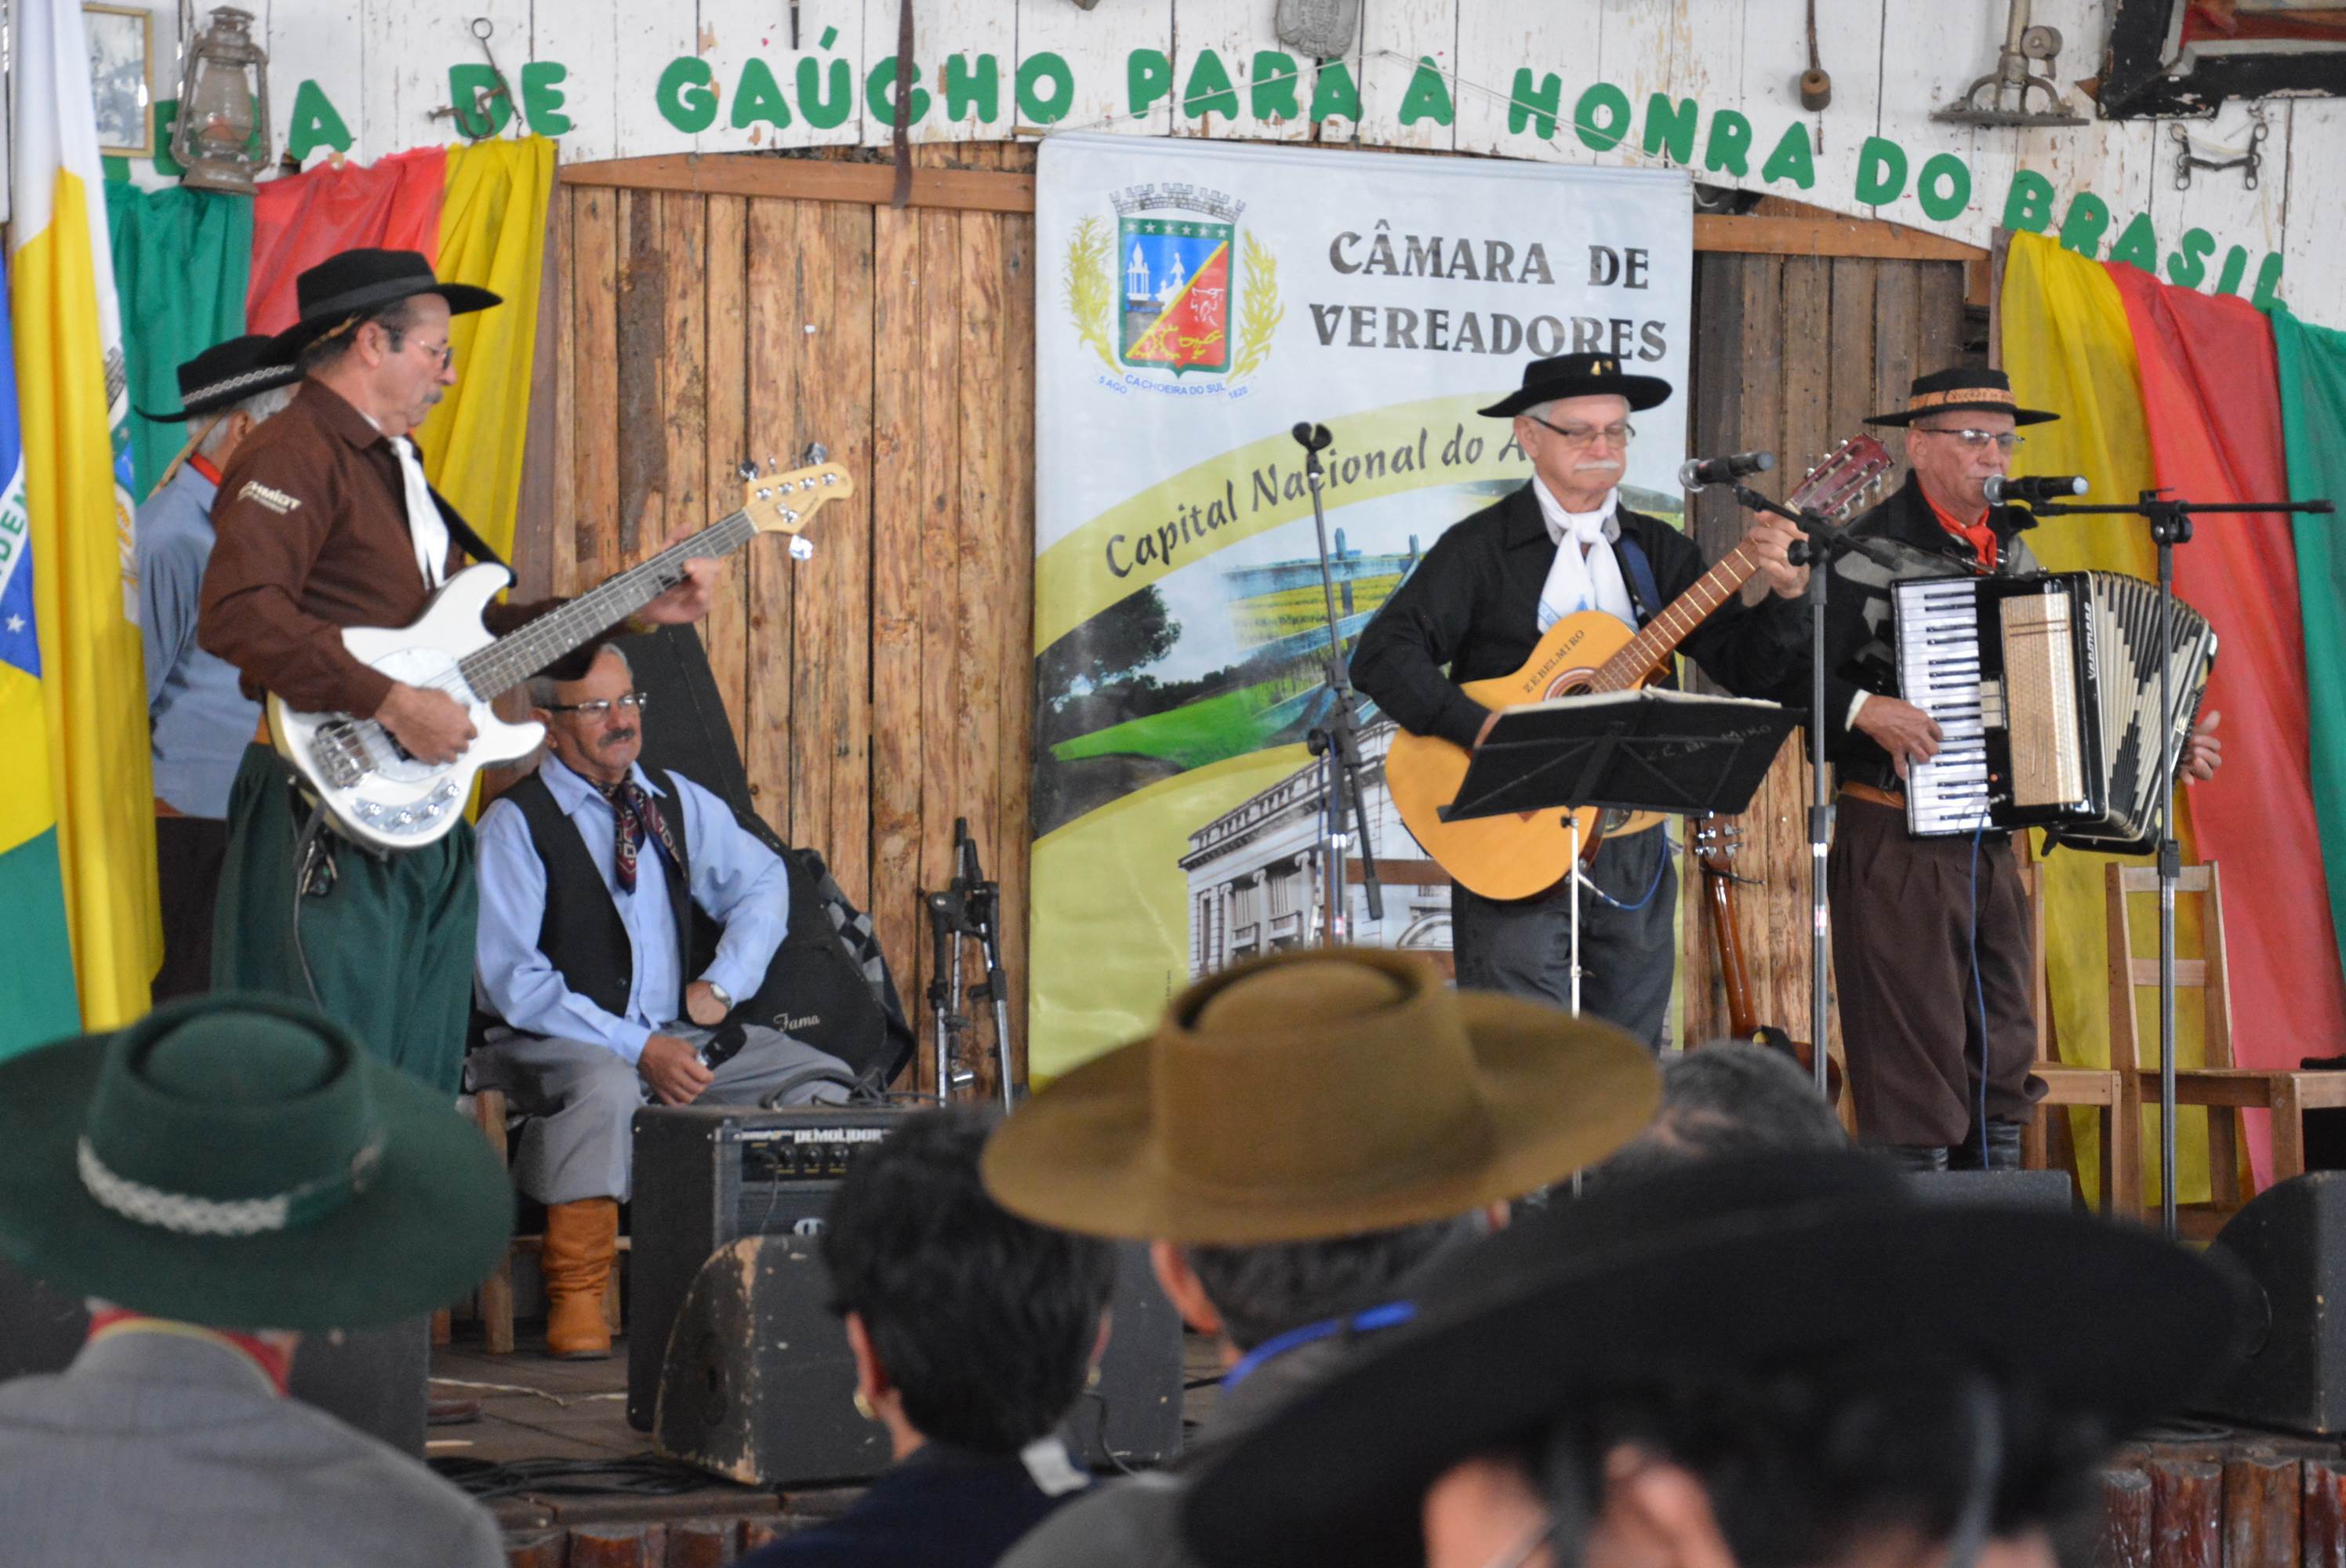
(746, 468)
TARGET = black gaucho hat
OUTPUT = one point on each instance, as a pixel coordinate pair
(1954, 391)
(1760, 1264)
(227, 373)
(353, 283)
(1579, 375)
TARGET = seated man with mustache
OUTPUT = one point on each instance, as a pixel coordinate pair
(591, 869)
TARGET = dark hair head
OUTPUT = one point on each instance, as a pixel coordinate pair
(1728, 1098)
(984, 1322)
(393, 319)
(1264, 1291)
(1802, 1464)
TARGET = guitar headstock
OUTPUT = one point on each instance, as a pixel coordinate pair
(1850, 473)
(786, 502)
(1715, 841)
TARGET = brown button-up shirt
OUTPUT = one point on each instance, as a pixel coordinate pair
(311, 520)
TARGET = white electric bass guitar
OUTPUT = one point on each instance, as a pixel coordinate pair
(378, 796)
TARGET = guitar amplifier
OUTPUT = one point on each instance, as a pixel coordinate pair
(709, 1175)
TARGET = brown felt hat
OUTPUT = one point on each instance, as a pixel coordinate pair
(1307, 1096)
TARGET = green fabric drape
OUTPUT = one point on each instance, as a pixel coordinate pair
(181, 260)
(2313, 364)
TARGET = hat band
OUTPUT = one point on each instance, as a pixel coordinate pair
(1960, 397)
(187, 1215)
(237, 384)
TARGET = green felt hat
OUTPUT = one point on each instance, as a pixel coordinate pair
(237, 1160)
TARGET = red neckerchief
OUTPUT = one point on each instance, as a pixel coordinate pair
(203, 465)
(1976, 533)
(275, 1364)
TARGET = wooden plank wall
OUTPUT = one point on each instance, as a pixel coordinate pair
(1791, 352)
(882, 688)
(885, 688)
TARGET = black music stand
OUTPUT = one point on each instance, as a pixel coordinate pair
(1651, 749)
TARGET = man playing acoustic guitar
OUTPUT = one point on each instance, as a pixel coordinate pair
(1479, 603)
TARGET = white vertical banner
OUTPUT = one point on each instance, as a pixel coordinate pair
(1196, 301)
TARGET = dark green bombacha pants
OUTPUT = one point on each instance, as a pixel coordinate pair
(390, 943)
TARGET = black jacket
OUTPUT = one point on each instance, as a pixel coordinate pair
(1859, 651)
(1473, 604)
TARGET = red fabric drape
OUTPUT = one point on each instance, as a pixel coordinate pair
(297, 222)
(2211, 399)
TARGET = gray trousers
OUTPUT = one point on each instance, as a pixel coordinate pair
(581, 1100)
(1627, 956)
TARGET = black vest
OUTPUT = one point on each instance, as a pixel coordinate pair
(581, 933)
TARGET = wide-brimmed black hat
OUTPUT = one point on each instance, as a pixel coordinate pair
(1957, 390)
(1763, 1264)
(1579, 375)
(346, 286)
(239, 1161)
(227, 373)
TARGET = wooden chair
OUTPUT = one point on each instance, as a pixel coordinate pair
(2102, 1090)
(2223, 1088)
(493, 1299)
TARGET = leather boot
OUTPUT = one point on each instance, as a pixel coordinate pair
(1912, 1156)
(581, 1238)
(2000, 1152)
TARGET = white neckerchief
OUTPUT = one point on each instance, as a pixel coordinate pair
(425, 523)
(1583, 576)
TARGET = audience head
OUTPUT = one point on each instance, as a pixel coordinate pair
(1783, 1360)
(239, 1161)
(1728, 1098)
(592, 722)
(970, 1327)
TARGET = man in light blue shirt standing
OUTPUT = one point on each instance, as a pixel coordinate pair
(199, 721)
(596, 876)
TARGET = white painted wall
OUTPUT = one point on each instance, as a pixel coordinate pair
(385, 64)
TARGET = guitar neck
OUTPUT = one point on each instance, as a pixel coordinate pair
(515, 656)
(1660, 636)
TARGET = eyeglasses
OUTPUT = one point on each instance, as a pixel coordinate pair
(632, 703)
(1976, 439)
(445, 352)
(1583, 435)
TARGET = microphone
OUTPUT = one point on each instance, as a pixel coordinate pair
(2003, 490)
(1698, 472)
(1311, 437)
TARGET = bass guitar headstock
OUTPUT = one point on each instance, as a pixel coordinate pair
(786, 502)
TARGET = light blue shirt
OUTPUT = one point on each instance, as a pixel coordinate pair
(198, 718)
(734, 878)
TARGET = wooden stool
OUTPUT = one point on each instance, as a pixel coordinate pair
(2102, 1089)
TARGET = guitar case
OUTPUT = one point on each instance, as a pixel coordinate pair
(829, 983)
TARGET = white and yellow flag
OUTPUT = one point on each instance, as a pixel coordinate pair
(74, 405)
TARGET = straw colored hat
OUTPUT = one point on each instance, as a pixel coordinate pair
(1314, 1095)
(237, 1160)
(1956, 390)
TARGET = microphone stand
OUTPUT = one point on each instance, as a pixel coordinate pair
(2170, 525)
(1336, 739)
(1825, 542)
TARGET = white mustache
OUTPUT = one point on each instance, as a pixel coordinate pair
(1596, 467)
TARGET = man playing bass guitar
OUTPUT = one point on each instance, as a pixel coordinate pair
(1479, 603)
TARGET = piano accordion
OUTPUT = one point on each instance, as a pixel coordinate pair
(2047, 689)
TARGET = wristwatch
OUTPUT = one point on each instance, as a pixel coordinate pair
(724, 997)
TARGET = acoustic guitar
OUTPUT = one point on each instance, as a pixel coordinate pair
(1714, 842)
(1521, 855)
(376, 794)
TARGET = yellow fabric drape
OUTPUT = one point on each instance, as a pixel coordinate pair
(2067, 348)
(492, 236)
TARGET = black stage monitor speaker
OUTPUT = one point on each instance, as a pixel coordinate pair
(2291, 1240)
(705, 1176)
(756, 1325)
